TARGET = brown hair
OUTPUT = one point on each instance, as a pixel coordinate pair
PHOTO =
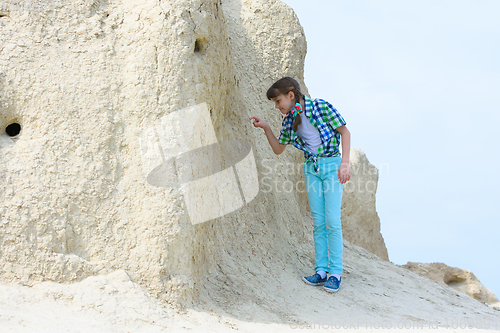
(282, 87)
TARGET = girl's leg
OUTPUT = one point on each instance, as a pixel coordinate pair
(333, 200)
(314, 188)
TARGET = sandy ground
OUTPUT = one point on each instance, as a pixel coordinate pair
(375, 295)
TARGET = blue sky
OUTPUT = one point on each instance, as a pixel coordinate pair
(418, 83)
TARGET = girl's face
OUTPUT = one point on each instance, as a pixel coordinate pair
(284, 102)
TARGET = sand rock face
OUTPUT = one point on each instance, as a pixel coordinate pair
(459, 279)
(84, 79)
(360, 221)
(98, 90)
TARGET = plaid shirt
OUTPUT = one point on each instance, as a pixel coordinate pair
(326, 119)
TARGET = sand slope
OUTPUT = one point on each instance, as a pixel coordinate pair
(374, 294)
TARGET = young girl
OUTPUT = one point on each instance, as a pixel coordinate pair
(315, 127)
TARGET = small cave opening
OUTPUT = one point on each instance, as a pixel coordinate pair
(13, 129)
(200, 45)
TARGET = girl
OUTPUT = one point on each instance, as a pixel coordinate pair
(315, 127)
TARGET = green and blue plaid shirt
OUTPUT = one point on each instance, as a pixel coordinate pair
(326, 119)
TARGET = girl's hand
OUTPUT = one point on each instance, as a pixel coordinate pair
(259, 122)
(344, 173)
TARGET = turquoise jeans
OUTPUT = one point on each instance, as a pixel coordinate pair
(324, 192)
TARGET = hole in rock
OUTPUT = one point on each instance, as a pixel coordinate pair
(200, 46)
(13, 129)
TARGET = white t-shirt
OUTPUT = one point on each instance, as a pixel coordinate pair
(309, 134)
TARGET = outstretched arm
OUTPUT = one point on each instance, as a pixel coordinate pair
(344, 170)
(278, 148)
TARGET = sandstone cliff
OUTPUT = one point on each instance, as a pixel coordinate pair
(86, 81)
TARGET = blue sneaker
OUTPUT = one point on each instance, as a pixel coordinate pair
(314, 280)
(332, 285)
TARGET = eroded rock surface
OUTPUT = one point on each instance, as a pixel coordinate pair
(360, 221)
(459, 279)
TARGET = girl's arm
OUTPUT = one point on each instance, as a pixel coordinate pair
(344, 170)
(278, 148)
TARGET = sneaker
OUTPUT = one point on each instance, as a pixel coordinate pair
(332, 285)
(314, 280)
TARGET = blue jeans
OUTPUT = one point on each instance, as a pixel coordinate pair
(324, 192)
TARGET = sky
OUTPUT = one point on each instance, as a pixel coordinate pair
(418, 83)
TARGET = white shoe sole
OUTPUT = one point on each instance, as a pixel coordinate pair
(331, 290)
